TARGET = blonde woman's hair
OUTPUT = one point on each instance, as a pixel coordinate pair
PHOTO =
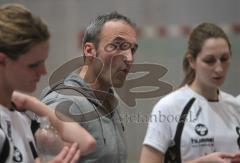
(20, 30)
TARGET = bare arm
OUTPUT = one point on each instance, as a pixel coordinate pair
(69, 131)
(150, 155)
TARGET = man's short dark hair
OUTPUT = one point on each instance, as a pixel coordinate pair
(93, 31)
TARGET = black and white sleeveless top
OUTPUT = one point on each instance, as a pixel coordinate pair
(16, 140)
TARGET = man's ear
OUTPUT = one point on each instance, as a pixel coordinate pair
(89, 50)
(191, 61)
(3, 58)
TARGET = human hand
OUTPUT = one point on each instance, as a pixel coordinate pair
(68, 155)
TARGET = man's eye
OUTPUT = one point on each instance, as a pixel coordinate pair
(125, 46)
(110, 47)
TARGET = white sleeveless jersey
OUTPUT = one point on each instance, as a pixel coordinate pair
(210, 126)
(16, 128)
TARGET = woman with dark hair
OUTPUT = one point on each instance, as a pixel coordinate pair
(24, 45)
(198, 122)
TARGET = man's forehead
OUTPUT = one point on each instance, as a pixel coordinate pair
(118, 31)
(116, 22)
(119, 39)
(118, 27)
(119, 36)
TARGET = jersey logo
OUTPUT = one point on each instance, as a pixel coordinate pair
(17, 155)
(201, 129)
(204, 140)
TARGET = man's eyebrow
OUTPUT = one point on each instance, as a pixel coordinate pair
(123, 39)
(119, 39)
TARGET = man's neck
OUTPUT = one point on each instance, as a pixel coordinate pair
(100, 90)
(92, 80)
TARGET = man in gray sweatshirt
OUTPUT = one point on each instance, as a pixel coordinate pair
(86, 96)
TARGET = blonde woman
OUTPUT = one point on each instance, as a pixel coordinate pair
(24, 45)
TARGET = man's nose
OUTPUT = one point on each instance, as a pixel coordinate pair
(129, 57)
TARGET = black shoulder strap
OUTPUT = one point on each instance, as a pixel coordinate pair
(173, 154)
(33, 149)
(5, 150)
